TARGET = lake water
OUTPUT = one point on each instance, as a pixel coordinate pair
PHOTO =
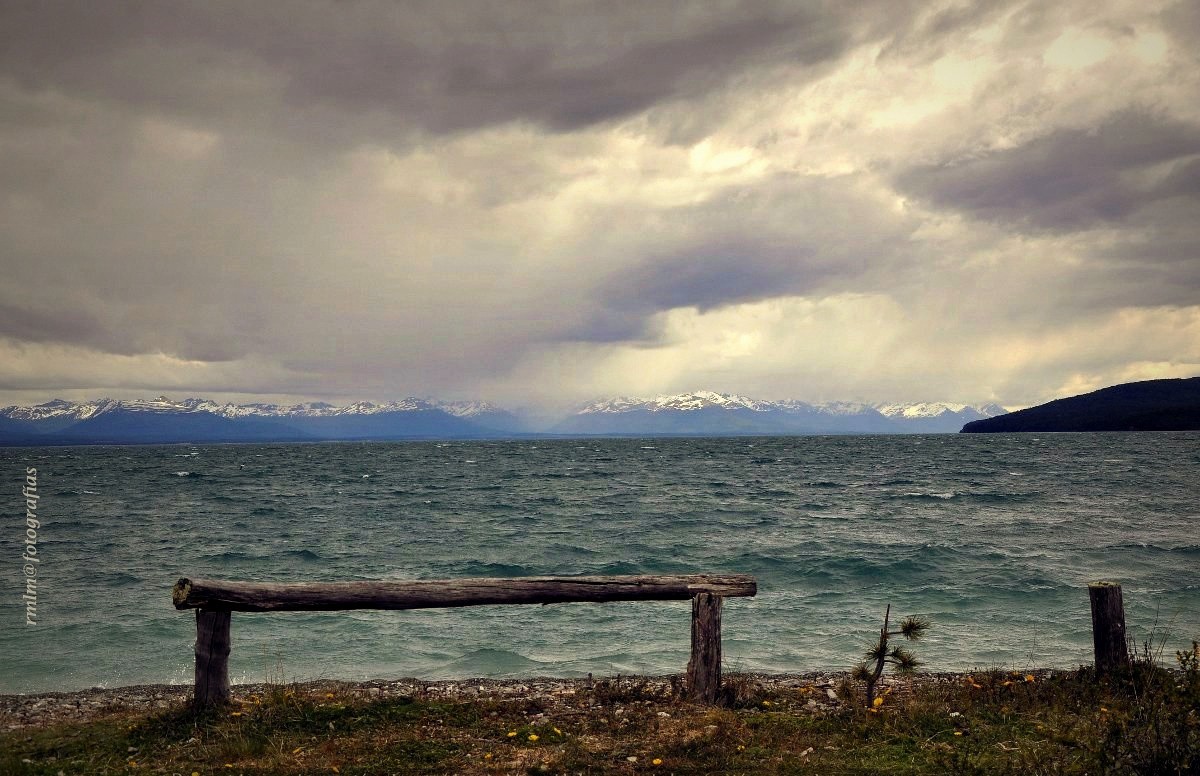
(993, 537)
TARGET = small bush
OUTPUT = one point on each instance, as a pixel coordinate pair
(879, 655)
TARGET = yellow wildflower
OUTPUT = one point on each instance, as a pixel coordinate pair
(877, 702)
(533, 736)
(512, 733)
(557, 732)
(1029, 677)
(656, 761)
(958, 732)
(487, 756)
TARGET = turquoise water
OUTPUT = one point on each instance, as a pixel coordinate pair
(993, 537)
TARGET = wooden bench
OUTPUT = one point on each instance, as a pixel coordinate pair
(214, 601)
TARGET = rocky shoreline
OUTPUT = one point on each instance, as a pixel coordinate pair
(40, 709)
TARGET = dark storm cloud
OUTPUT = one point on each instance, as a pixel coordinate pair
(714, 273)
(184, 329)
(30, 323)
(1068, 180)
(381, 69)
(788, 235)
(1155, 260)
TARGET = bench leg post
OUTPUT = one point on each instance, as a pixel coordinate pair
(704, 667)
(212, 659)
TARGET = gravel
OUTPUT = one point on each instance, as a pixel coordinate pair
(36, 710)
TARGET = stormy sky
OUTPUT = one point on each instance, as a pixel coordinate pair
(546, 202)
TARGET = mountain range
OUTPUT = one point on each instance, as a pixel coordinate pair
(163, 420)
(707, 412)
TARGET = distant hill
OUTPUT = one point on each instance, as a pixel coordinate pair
(421, 423)
(125, 426)
(1151, 405)
(15, 430)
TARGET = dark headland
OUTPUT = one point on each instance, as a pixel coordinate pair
(1150, 405)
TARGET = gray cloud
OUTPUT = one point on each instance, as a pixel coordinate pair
(1181, 20)
(1066, 180)
(789, 235)
(713, 273)
(345, 72)
(923, 37)
(28, 323)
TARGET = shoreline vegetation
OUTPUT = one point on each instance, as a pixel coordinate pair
(1143, 720)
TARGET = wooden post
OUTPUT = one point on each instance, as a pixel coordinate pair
(704, 667)
(1108, 626)
(212, 658)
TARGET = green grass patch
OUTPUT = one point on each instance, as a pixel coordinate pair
(1142, 722)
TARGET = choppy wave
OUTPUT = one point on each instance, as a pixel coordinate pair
(916, 495)
(1180, 549)
(491, 662)
(480, 569)
(307, 555)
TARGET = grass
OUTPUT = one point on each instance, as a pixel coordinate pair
(1142, 722)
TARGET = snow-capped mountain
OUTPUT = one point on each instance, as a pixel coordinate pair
(936, 409)
(841, 407)
(708, 412)
(469, 409)
(310, 410)
(684, 402)
(58, 408)
(162, 419)
(938, 417)
(459, 409)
